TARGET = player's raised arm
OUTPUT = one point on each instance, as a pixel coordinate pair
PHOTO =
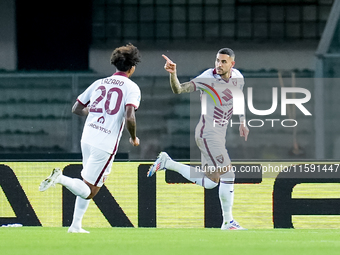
(176, 86)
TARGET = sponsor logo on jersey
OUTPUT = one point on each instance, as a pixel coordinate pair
(101, 120)
(102, 129)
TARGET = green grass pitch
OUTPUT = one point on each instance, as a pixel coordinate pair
(44, 240)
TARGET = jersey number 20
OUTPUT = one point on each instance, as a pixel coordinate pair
(93, 107)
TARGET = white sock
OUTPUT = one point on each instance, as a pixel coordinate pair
(226, 194)
(76, 186)
(191, 174)
(80, 208)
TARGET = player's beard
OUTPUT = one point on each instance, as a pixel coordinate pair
(223, 74)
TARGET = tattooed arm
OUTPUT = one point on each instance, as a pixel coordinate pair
(176, 86)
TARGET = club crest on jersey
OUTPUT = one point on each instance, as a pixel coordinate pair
(101, 120)
(220, 159)
(234, 82)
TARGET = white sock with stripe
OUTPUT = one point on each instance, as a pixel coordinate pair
(75, 185)
(190, 173)
(80, 208)
(226, 194)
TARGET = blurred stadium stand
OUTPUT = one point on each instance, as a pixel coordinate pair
(327, 88)
(117, 20)
(36, 117)
(35, 106)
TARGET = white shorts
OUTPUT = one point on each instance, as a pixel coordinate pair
(213, 153)
(96, 164)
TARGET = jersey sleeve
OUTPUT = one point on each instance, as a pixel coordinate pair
(203, 77)
(239, 78)
(240, 81)
(134, 97)
(84, 98)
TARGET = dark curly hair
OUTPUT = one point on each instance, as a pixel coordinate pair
(125, 57)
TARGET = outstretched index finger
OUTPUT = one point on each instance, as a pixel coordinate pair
(167, 59)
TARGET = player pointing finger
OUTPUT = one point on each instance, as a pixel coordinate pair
(209, 137)
(169, 65)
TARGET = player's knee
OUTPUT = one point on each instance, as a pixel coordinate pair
(92, 194)
(213, 176)
(228, 176)
(94, 190)
(209, 183)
